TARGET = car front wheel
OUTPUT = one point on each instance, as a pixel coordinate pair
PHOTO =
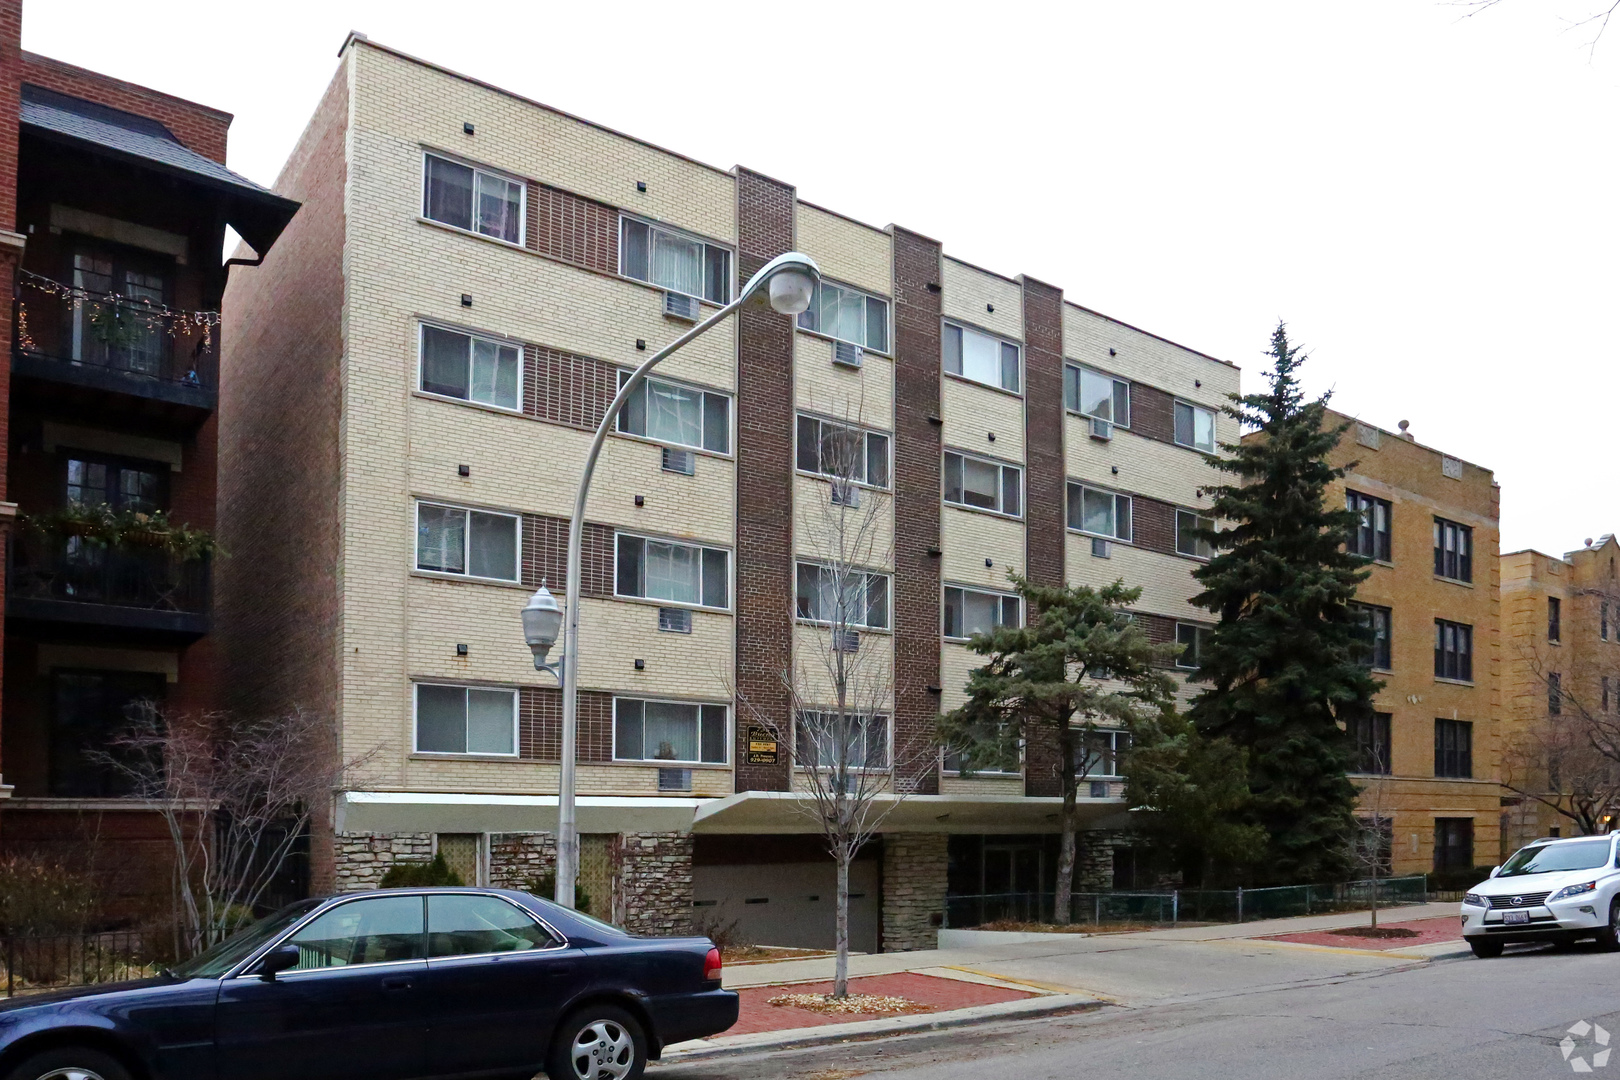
(600, 1042)
(70, 1063)
(1485, 949)
(1608, 938)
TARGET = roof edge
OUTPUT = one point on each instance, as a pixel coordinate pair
(136, 88)
(1151, 334)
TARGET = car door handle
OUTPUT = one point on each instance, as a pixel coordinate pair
(397, 982)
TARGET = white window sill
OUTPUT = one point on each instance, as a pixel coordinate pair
(1454, 682)
(433, 755)
(819, 336)
(822, 624)
(457, 230)
(648, 440)
(651, 602)
(1099, 536)
(1454, 581)
(696, 766)
(500, 410)
(1078, 415)
(466, 579)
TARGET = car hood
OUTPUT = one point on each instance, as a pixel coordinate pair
(56, 997)
(1549, 882)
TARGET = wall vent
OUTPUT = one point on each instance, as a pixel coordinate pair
(674, 779)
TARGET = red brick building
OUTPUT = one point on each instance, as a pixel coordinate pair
(114, 201)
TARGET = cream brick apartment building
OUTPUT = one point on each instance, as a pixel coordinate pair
(411, 385)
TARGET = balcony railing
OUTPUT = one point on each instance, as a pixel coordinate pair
(75, 570)
(121, 337)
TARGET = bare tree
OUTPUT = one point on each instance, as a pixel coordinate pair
(236, 796)
(848, 769)
(1569, 759)
(1595, 16)
(1371, 841)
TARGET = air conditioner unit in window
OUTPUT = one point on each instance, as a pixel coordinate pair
(844, 493)
(846, 641)
(680, 461)
(675, 620)
(674, 779)
(1101, 429)
(681, 307)
(1099, 789)
(848, 355)
(1099, 547)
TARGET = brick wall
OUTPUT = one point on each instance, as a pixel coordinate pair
(655, 883)
(540, 724)
(914, 879)
(917, 450)
(1153, 413)
(198, 127)
(573, 229)
(567, 389)
(1153, 525)
(1044, 511)
(764, 480)
(10, 96)
(545, 555)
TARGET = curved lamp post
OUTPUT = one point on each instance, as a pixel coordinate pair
(790, 282)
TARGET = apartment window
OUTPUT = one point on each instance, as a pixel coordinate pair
(1603, 620)
(671, 572)
(1453, 651)
(667, 412)
(1605, 693)
(1098, 755)
(1099, 513)
(976, 355)
(1369, 735)
(1187, 540)
(1453, 844)
(824, 740)
(974, 611)
(1092, 393)
(475, 543)
(469, 367)
(1375, 624)
(986, 485)
(1454, 749)
(841, 452)
(465, 720)
(88, 711)
(1193, 639)
(848, 315)
(1195, 427)
(669, 731)
(1555, 617)
(674, 261)
(473, 199)
(1453, 550)
(1555, 694)
(865, 600)
(1006, 761)
(119, 483)
(1370, 539)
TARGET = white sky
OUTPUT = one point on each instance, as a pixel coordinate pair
(1428, 200)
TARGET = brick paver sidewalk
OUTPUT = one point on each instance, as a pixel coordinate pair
(1429, 931)
(939, 995)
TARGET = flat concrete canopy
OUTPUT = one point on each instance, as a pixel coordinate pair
(783, 812)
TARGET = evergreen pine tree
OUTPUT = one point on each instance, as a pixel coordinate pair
(1282, 664)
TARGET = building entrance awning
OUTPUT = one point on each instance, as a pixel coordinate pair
(781, 812)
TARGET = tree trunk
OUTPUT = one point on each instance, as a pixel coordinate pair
(1062, 899)
(841, 964)
(1375, 898)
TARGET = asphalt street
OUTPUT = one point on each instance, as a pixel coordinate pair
(1454, 1017)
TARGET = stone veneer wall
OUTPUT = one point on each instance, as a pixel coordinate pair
(516, 859)
(361, 859)
(1094, 858)
(913, 890)
(655, 883)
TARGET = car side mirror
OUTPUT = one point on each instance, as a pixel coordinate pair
(1495, 870)
(278, 959)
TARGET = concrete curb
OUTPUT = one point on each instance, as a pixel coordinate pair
(863, 1030)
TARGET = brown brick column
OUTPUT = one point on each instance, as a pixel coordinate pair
(764, 482)
(10, 246)
(1045, 516)
(917, 448)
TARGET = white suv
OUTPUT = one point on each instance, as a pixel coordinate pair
(1551, 890)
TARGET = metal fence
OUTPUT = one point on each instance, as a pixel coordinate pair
(1186, 905)
(33, 962)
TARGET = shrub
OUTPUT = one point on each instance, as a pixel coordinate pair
(545, 886)
(38, 896)
(725, 934)
(416, 875)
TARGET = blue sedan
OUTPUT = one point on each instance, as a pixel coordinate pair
(389, 985)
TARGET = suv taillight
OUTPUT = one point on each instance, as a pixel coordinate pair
(711, 966)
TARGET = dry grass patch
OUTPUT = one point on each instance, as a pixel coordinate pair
(765, 954)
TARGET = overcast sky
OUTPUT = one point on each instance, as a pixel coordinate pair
(1428, 200)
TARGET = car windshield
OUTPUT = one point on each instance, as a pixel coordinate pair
(1549, 858)
(216, 961)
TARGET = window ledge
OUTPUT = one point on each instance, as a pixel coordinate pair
(695, 766)
(649, 602)
(1454, 682)
(499, 410)
(830, 480)
(1454, 581)
(821, 625)
(456, 230)
(429, 755)
(629, 436)
(981, 385)
(1078, 415)
(1110, 539)
(467, 579)
(982, 510)
(819, 336)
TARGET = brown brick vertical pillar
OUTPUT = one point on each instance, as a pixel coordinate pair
(764, 482)
(917, 448)
(11, 248)
(1045, 517)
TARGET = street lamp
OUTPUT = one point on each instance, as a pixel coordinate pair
(789, 281)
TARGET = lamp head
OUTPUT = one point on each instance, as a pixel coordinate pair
(542, 620)
(790, 281)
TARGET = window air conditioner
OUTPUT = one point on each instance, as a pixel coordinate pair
(847, 355)
(680, 461)
(674, 779)
(845, 493)
(680, 306)
(1101, 429)
(675, 620)
(846, 641)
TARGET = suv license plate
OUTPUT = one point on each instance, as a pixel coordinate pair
(1514, 918)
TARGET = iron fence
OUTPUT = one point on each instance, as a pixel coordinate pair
(1186, 905)
(72, 569)
(34, 963)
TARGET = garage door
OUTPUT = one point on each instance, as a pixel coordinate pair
(790, 904)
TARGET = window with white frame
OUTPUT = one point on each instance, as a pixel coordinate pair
(671, 572)
(473, 543)
(670, 413)
(984, 484)
(473, 199)
(1098, 755)
(465, 720)
(1091, 393)
(982, 357)
(826, 740)
(674, 261)
(470, 367)
(841, 452)
(1195, 427)
(848, 315)
(1097, 512)
(1188, 542)
(1192, 638)
(976, 611)
(864, 603)
(678, 732)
